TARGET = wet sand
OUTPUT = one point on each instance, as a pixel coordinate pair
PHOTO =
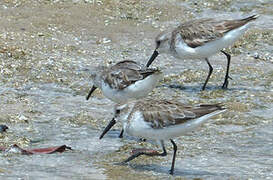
(49, 48)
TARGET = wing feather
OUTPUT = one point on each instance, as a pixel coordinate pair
(126, 73)
(162, 113)
(198, 32)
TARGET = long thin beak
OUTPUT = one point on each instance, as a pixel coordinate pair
(108, 127)
(90, 92)
(155, 54)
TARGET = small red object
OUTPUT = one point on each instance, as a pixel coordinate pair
(16, 149)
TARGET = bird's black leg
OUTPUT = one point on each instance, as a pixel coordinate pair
(121, 134)
(139, 153)
(210, 71)
(225, 85)
(174, 155)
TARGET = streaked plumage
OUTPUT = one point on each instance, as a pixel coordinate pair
(198, 32)
(162, 114)
(161, 120)
(200, 39)
(125, 80)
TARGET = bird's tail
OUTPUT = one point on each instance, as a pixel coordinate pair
(250, 18)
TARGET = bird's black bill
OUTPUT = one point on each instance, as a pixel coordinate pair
(155, 54)
(108, 127)
(90, 92)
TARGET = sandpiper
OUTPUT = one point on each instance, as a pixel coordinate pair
(125, 81)
(200, 39)
(161, 120)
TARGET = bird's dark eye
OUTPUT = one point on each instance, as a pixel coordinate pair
(117, 111)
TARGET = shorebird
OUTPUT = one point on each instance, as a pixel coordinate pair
(125, 81)
(161, 120)
(200, 39)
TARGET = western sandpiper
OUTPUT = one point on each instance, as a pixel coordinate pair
(125, 81)
(161, 120)
(200, 39)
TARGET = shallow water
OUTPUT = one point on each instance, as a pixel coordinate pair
(49, 48)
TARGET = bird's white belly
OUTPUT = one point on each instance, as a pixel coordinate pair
(137, 90)
(208, 49)
(140, 128)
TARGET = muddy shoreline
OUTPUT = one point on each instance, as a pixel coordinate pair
(49, 48)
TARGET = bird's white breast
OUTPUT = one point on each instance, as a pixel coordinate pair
(140, 128)
(136, 90)
(183, 51)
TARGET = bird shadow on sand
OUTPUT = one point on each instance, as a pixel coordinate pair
(198, 88)
(189, 173)
(113, 133)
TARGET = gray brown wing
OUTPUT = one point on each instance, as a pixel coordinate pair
(126, 73)
(162, 114)
(126, 64)
(196, 33)
(131, 67)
